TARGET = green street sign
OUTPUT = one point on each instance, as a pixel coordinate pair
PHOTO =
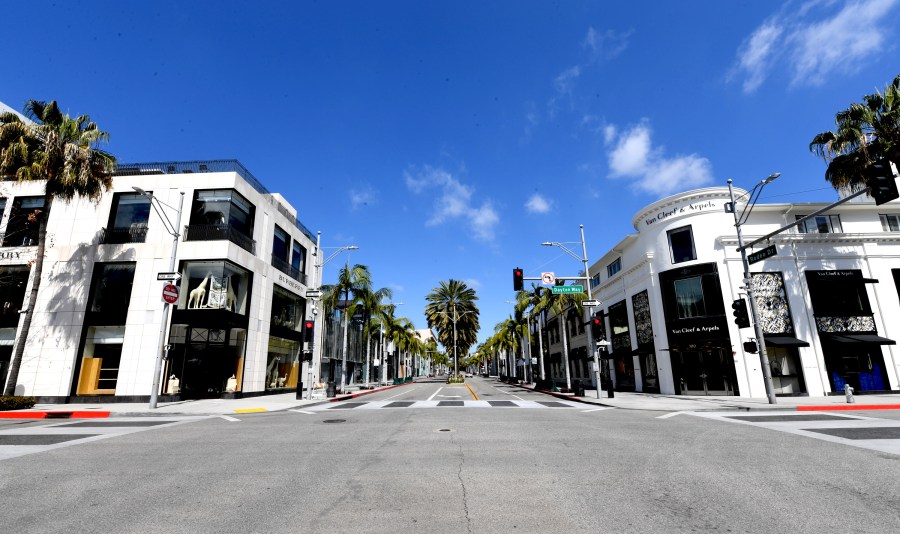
(767, 252)
(567, 290)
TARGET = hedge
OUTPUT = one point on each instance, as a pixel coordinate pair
(16, 403)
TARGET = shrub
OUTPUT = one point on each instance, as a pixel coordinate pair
(16, 403)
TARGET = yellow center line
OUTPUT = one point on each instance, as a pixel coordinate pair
(474, 396)
(250, 410)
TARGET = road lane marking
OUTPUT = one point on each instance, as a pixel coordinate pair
(229, 418)
(250, 410)
(435, 393)
(474, 396)
(597, 409)
(303, 412)
(402, 393)
(668, 415)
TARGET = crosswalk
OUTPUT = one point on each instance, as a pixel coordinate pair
(20, 439)
(388, 405)
(882, 435)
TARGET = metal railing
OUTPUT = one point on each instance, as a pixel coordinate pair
(288, 269)
(217, 232)
(133, 234)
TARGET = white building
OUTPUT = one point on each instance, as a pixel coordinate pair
(245, 265)
(828, 300)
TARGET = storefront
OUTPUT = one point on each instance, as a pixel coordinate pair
(622, 358)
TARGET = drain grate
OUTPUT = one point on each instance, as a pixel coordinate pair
(334, 421)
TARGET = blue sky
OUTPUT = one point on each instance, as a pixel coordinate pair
(449, 139)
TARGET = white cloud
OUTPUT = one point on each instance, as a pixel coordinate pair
(453, 201)
(605, 45)
(537, 204)
(566, 80)
(473, 283)
(814, 41)
(362, 197)
(632, 156)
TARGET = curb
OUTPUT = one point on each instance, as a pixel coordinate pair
(54, 414)
(847, 407)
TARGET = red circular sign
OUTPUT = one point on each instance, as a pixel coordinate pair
(170, 293)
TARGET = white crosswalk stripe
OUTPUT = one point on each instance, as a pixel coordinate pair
(34, 437)
(388, 405)
(882, 435)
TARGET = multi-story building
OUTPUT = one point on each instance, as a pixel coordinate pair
(245, 262)
(828, 299)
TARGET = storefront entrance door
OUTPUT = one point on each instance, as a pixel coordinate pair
(704, 372)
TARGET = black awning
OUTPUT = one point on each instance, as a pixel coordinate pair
(870, 339)
(784, 341)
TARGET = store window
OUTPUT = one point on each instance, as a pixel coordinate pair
(288, 309)
(689, 297)
(128, 219)
(111, 292)
(282, 363)
(820, 224)
(22, 228)
(614, 267)
(13, 279)
(99, 367)
(681, 245)
(215, 285)
(890, 222)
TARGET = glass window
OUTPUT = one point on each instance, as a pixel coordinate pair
(282, 363)
(223, 207)
(298, 258)
(2, 206)
(112, 289)
(22, 228)
(890, 222)
(288, 309)
(595, 281)
(128, 218)
(820, 224)
(280, 243)
(98, 371)
(681, 244)
(689, 297)
(215, 285)
(13, 280)
(614, 267)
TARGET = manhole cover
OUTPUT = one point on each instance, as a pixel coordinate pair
(334, 420)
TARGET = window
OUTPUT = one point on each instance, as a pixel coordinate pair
(13, 279)
(112, 290)
(22, 228)
(128, 219)
(614, 267)
(2, 206)
(280, 244)
(689, 297)
(215, 285)
(890, 222)
(298, 261)
(222, 214)
(287, 309)
(681, 244)
(820, 224)
(595, 281)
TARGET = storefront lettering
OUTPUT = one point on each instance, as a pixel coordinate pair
(290, 283)
(10, 255)
(695, 329)
(689, 209)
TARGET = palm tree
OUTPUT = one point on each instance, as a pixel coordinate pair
(864, 133)
(451, 310)
(352, 284)
(371, 303)
(560, 305)
(63, 152)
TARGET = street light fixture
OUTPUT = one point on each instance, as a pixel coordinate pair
(588, 311)
(162, 349)
(740, 219)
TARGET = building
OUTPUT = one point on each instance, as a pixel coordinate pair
(828, 295)
(244, 260)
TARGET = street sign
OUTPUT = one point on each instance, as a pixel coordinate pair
(313, 293)
(767, 252)
(168, 276)
(590, 303)
(170, 294)
(566, 290)
(548, 278)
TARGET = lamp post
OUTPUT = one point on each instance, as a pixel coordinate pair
(162, 349)
(740, 219)
(589, 311)
(383, 361)
(454, 319)
(317, 347)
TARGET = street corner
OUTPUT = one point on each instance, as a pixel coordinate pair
(54, 414)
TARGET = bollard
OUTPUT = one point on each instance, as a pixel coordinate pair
(848, 392)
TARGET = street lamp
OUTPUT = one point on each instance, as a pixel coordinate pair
(740, 219)
(588, 311)
(317, 347)
(455, 318)
(383, 361)
(164, 324)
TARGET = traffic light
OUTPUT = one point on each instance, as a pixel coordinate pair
(560, 282)
(750, 346)
(596, 326)
(741, 319)
(880, 179)
(309, 327)
(518, 283)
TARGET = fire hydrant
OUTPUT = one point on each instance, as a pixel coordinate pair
(848, 392)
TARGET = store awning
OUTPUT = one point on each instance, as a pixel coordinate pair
(870, 339)
(784, 341)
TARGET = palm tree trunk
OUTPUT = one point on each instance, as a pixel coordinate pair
(368, 356)
(16, 364)
(565, 340)
(344, 352)
(540, 333)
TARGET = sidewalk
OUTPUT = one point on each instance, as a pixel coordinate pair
(201, 407)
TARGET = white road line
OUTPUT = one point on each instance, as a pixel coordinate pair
(301, 411)
(403, 393)
(435, 393)
(668, 415)
(597, 409)
(228, 418)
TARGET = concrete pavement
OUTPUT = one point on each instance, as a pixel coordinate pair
(623, 400)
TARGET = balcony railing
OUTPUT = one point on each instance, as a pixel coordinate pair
(288, 269)
(217, 232)
(136, 233)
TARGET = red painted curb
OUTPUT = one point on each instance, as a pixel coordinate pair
(848, 407)
(55, 415)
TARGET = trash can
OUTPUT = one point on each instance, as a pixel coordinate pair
(329, 390)
(577, 388)
(610, 390)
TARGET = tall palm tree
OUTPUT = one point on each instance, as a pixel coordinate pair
(346, 294)
(370, 304)
(63, 152)
(560, 305)
(451, 310)
(865, 132)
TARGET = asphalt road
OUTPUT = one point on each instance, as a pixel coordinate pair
(397, 461)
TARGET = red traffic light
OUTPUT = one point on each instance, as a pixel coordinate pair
(518, 279)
